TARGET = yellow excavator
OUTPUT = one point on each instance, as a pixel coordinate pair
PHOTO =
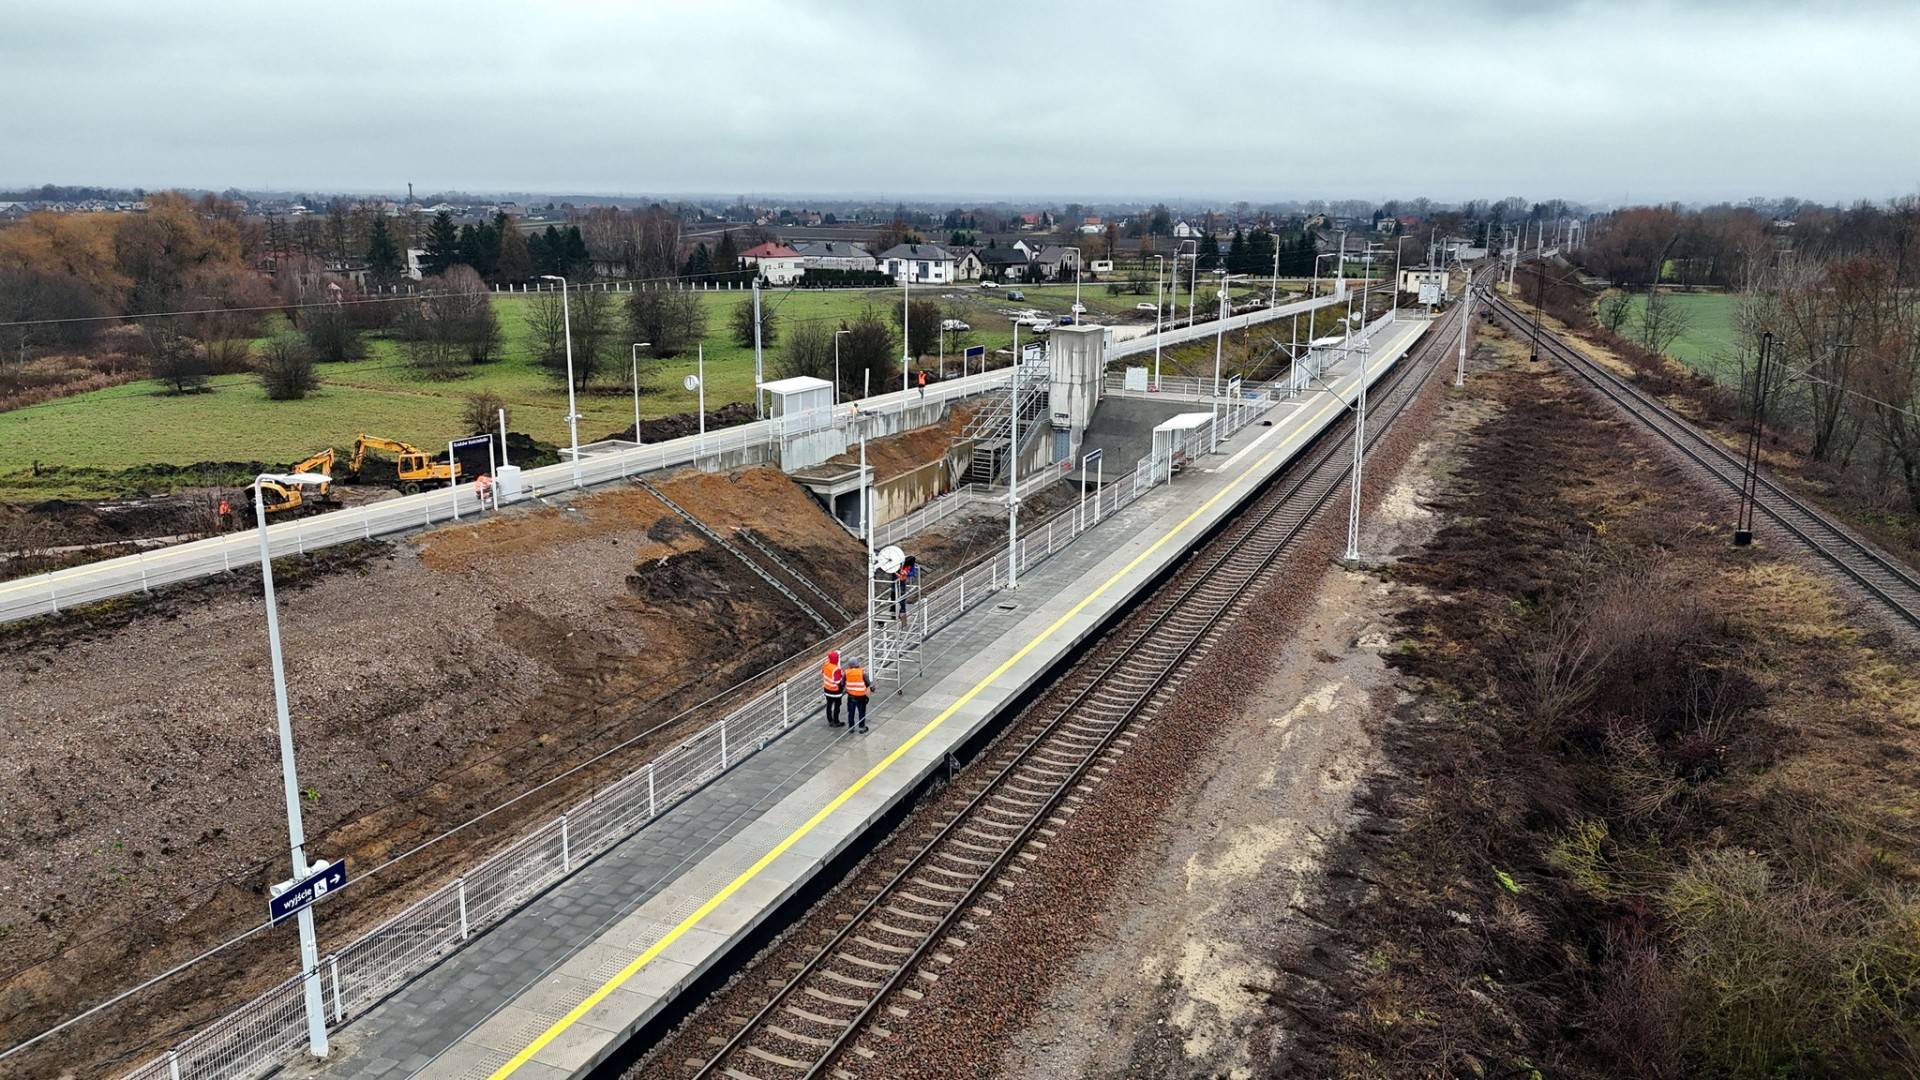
(414, 465)
(284, 498)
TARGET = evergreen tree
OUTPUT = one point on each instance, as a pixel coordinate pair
(726, 256)
(699, 262)
(1209, 252)
(551, 256)
(442, 246)
(1237, 253)
(383, 259)
(575, 259)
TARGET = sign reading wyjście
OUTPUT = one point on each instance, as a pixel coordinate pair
(323, 880)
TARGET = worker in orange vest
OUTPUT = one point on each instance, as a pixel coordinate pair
(923, 384)
(833, 682)
(857, 690)
(225, 514)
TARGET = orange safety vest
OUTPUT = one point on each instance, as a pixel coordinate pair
(923, 380)
(856, 682)
(830, 677)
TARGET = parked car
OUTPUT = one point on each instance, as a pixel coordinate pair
(989, 284)
(1066, 320)
(953, 324)
(1016, 294)
(1079, 309)
(1143, 306)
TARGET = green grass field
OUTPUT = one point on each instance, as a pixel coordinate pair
(137, 424)
(1709, 342)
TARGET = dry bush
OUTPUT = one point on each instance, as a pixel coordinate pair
(481, 411)
(1786, 977)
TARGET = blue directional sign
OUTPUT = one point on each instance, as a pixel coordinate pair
(976, 351)
(318, 885)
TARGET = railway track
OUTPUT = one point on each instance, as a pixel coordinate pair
(808, 1025)
(1890, 584)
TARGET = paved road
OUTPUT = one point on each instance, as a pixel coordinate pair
(48, 593)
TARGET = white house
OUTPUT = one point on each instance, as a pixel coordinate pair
(833, 255)
(778, 264)
(1184, 231)
(968, 266)
(928, 264)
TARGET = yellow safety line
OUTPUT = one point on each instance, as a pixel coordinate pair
(573, 1016)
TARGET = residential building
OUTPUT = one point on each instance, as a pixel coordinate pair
(1184, 231)
(1052, 263)
(928, 264)
(778, 264)
(1004, 264)
(833, 255)
(967, 267)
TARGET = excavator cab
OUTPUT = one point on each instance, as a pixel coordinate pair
(414, 466)
(283, 498)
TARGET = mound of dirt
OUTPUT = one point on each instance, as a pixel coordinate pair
(680, 425)
(907, 451)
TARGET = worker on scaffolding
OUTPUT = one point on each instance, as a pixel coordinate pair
(903, 580)
(857, 691)
(833, 682)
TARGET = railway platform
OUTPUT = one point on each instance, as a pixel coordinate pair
(563, 983)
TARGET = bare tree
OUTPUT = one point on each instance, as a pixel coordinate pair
(672, 319)
(740, 324)
(1662, 321)
(1614, 309)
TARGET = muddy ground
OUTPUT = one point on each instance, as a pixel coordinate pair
(140, 816)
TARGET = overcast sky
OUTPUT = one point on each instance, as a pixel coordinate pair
(1600, 102)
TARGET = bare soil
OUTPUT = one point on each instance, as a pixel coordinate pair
(140, 816)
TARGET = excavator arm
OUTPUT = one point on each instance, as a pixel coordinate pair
(413, 464)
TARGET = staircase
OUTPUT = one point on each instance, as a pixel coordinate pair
(990, 429)
(720, 542)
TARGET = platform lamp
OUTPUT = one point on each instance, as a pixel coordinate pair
(289, 777)
(573, 412)
(637, 346)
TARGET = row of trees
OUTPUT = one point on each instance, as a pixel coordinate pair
(1839, 294)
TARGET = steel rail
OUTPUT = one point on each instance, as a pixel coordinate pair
(1217, 590)
(1882, 577)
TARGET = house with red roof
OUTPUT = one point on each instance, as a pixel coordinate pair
(778, 264)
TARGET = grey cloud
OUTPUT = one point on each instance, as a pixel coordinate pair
(1120, 99)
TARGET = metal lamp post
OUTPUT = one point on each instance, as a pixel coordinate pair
(1219, 344)
(1315, 294)
(836, 362)
(1159, 299)
(573, 412)
(1013, 464)
(637, 346)
(1466, 320)
(1076, 284)
(906, 321)
(296, 830)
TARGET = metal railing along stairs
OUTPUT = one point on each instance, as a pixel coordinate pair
(721, 542)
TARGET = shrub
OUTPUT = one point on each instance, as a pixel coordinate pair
(286, 368)
(482, 411)
(332, 336)
(177, 362)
